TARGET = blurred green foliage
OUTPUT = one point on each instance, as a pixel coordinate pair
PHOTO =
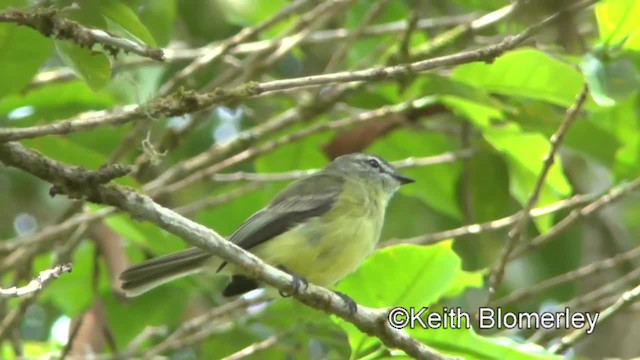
(512, 105)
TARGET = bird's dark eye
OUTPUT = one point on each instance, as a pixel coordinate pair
(374, 163)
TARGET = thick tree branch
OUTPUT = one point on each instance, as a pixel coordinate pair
(141, 207)
(49, 23)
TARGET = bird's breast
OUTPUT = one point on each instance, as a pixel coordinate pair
(325, 249)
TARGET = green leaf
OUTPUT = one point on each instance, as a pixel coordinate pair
(22, 52)
(92, 67)
(525, 152)
(249, 12)
(467, 343)
(68, 151)
(159, 17)
(610, 81)
(57, 101)
(619, 122)
(122, 15)
(527, 73)
(618, 22)
(463, 281)
(403, 275)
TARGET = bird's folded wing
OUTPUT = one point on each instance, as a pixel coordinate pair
(303, 199)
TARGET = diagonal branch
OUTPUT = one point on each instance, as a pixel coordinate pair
(37, 283)
(141, 207)
(516, 235)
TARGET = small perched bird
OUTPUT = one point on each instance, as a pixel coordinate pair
(319, 229)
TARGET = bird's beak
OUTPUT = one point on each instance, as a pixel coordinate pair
(403, 179)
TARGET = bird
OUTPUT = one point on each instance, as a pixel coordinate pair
(319, 229)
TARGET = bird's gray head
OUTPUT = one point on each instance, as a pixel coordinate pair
(371, 169)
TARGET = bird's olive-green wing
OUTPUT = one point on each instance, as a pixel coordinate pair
(303, 199)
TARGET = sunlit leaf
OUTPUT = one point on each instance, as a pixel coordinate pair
(527, 73)
(618, 22)
(93, 67)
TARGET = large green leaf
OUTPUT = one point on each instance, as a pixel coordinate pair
(525, 152)
(471, 346)
(404, 275)
(526, 72)
(56, 101)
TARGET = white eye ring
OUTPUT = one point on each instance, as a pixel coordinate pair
(374, 163)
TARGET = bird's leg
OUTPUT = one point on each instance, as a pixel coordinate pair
(295, 283)
(351, 304)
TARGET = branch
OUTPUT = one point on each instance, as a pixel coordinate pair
(183, 102)
(157, 187)
(411, 162)
(37, 283)
(608, 198)
(217, 50)
(49, 23)
(516, 235)
(178, 338)
(624, 300)
(492, 225)
(256, 347)
(587, 270)
(141, 207)
(179, 55)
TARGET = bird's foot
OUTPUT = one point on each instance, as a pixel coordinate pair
(295, 283)
(351, 304)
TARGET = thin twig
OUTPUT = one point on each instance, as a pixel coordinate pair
(174, 340)
(37, 283)
(494, 224)
(255, 348)
(186, 102)
(374, 11)
(587, 270)
(382, 113)
(607, 199)
(410, 162)
(179, 55)
(217, 50)
(516, 235)
(568, 341)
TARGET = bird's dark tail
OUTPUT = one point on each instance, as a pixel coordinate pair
(154, 272)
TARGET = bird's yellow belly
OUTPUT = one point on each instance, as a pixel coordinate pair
(323, 251)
